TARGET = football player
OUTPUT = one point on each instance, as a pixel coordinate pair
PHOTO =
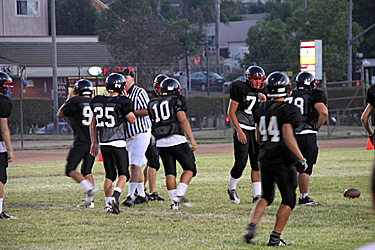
(275, 124)
(244, 97)
(169, 122)
(6, 150)
(312, 104)
(77, 109)
(370, 99)
(110, 114)
(152, 154)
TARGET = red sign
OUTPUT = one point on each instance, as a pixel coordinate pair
(110, 70)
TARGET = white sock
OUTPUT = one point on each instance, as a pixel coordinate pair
(107, 199)
(303, 195)
(233, 183)
(1, 205)
(132, 187)
(141, 189)
(86, 184)
(117, 189)
(257, 187)
(172, 193)
(181, 189)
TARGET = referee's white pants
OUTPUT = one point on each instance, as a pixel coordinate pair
(137, 147)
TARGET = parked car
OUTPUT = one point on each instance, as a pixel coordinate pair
(199, 80)
(227, 84)
(64, 129)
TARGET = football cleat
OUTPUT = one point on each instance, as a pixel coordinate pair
(140, 200)
(249, 234)
(108, 210)
(276, 241)
(155, 197)
(174, 206)
(181, 199)
(5, 216)
(86, 204)
(115, 205)
(256, 198)
(307, 201)
(92, 192)
(128, 201)
(233, 196)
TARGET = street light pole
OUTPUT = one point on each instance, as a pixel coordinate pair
(54, 69)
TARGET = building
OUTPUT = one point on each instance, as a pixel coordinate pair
(24, 42)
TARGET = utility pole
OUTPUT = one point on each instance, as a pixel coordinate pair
(217, 24)
(304, 4)
(54, 69)
(350, 43)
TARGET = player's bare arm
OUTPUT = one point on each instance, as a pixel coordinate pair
(130, 117)
(181, 116)
(257, 133)
(94, 150)
(5, 132)
(323, 114)
(364, 118)
(141, 112)
(262, 97)
(233, 105)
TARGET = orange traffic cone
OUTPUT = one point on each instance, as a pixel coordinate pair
(369, 145)
(101, 157)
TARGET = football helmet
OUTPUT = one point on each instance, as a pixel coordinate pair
(170, 86)
(278, 85)
(157, 81)
(5, 83)
(83, 87)
(115, 83)
(254, 74)
(305, 80)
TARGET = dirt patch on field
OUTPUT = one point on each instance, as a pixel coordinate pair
(221, 148)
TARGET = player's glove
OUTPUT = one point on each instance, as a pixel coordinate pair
(301, 165)
(371, 137)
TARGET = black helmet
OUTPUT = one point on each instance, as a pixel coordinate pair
(278, 85)
(157, 81)
(170, 86)
(255, 73)
(305, 80)
(83, 87)
(115, 83)
(5, 83)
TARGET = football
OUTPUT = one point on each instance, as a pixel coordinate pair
(352, 193)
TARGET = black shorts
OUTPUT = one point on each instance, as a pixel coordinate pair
(286, 179)
(3, 167)
(78, 153)
(244, 151)
(152, 155)
(115, 158)
(182, 153)
(307, 143)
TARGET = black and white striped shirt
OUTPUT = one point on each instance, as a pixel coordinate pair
(140, 100)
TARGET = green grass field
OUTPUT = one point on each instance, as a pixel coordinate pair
(44, 201)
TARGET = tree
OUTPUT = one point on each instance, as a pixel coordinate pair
(75, 17)
(274, 42)
(137, 36)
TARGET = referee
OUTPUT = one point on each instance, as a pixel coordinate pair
(138, 136)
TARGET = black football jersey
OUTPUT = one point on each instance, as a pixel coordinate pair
(78, 110)
(163, 115)
(151, 94)
(305, 101)
(110, 112)
(5, 109)
(270, 117)
(370, 98)
(247, 98)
